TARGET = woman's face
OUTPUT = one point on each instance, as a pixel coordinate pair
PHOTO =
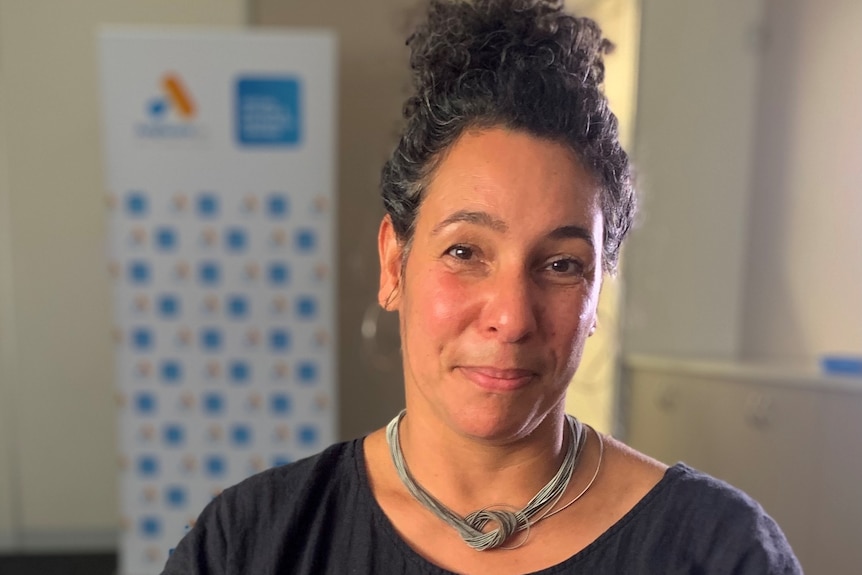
(500, 285)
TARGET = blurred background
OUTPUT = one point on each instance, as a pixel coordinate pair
(745, 121)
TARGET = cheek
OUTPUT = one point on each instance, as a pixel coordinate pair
(442, 304)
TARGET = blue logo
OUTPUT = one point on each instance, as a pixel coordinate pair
(207, 205)
(277, 206)
(139, 272)
(136, 204)
(150, 526)
(279, 340)
(241, 435)
(172, 371)
(213, 404)
(148, 466)
(306, 307)
(240, 372)
(209, 273)
(166, 239)
(279, 460)
(280, 404)
(307, 435)
(215, 465)
(237, 306)
(235, 240)
(211, 339)
(142, 338)
(268, 111)
(305, 241)
(169, 306)
(175, 496)
(279, 274)
(173, 434)
(307, 372)
(145, 403)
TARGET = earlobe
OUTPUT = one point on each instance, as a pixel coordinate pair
(390, 251)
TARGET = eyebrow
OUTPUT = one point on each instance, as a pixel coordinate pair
(487, 220)
(564, 232)
(479, 218)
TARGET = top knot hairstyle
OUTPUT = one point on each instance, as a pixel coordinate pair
(520, 64)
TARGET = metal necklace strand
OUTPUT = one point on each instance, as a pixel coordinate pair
(508, 522)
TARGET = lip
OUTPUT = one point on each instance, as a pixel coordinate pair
(496, 379)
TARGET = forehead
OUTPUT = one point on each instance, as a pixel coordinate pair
(514, 176)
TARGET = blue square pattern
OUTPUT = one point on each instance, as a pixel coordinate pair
(280, 404)
(142, 339)
(208, 205)
(148, 466)
(209, 273)
(277, 206)
(305, 241)
(279, 340)
(173, 435)
(150, 526)
(139, 272)
(136, 204)
(235, 240)
(211, 339)
(145, 403)
(241, 435)
(171, 371)
(308, 435)
(213, 404)
(175, 496)
(237, 306)
(166, 239)
(306, 307)
(169, 306)
(268, 111)
(215, 465)
(240, 372)
(307, 372)
(279, 274)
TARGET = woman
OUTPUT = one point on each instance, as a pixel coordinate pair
(507, 200)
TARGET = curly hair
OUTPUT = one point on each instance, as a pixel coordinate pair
(520, 64)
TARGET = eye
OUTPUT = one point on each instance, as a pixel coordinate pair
(461, 252)
(566, 266)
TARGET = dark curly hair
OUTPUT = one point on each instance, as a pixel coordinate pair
(519, 64)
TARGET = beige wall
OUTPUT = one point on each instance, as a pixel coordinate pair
(57, 418)
(804, 274)
(593, 393)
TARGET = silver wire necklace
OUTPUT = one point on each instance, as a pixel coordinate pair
(508, 521)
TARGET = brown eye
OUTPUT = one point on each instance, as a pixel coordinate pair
(460, 252)
(566, 267)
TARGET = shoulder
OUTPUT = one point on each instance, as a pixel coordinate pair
(288, 489)
(722, 527)
(681, 516)
(241, 524)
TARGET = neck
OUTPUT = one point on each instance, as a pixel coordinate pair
(468, 473)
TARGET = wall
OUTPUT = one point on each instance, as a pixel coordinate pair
(593, 393)
(57, 417)
(694, 147)
(804, 271)
(749, 139)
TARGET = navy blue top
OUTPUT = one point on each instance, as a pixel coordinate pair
(318, 516)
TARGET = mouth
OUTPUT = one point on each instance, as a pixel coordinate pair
(496, 379)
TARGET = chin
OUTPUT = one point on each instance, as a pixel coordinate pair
(495, 423)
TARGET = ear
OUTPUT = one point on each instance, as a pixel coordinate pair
(390, 252)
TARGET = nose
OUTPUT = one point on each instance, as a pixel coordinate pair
(511, 309)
